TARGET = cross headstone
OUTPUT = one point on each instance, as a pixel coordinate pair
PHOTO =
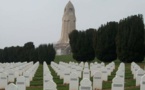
(86, 65)
(93, 69)
(136, 68)
(117, 83)
(1, 70)
(27, 77)
(139, 74)
(48, 76)
(142, 83)
(121, 73)
(85, 84)
(66, 76)
(104, 74)
(74, 81)
(46, 79)
(61, 71)
(97, 81)
(79, 71)
(11, 76)
(50, 85)
(108, 70)
(86, 73)
(11, 86)
(3, 81)
(21, 83)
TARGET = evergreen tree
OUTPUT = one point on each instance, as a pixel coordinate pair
(104, 42)
(51, 53)
(28, 51)
(81, 43)
(1, 55)
(130, 39)
(46, 53)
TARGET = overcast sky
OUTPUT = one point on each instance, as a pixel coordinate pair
(40, 21)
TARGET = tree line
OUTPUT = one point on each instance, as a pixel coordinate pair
(123, 40)
(28, 53)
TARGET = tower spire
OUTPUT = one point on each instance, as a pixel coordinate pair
(68, 22)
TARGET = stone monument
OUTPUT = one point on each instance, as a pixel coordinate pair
(68, 22)
(68, 25)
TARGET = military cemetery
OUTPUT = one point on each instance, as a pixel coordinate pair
(110, 57)
(121, 77)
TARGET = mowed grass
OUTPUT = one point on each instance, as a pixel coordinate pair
(37, 83)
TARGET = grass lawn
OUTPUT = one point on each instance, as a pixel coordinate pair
(37, 83)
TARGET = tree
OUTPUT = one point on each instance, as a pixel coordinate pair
(82, 45)
(130, 39)
(1, 55)
(51, 53)
(73, 37)
(28, 51)
(46, 53)
(104, 42)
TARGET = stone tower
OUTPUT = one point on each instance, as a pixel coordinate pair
(68, 23)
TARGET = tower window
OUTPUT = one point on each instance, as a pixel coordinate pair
(71, 9)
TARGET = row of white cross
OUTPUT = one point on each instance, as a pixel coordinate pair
(48, 83)
(119, 79)
(138, 75)
(22, 72)
(71, 72)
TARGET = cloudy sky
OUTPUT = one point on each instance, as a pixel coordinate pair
(40, 21)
